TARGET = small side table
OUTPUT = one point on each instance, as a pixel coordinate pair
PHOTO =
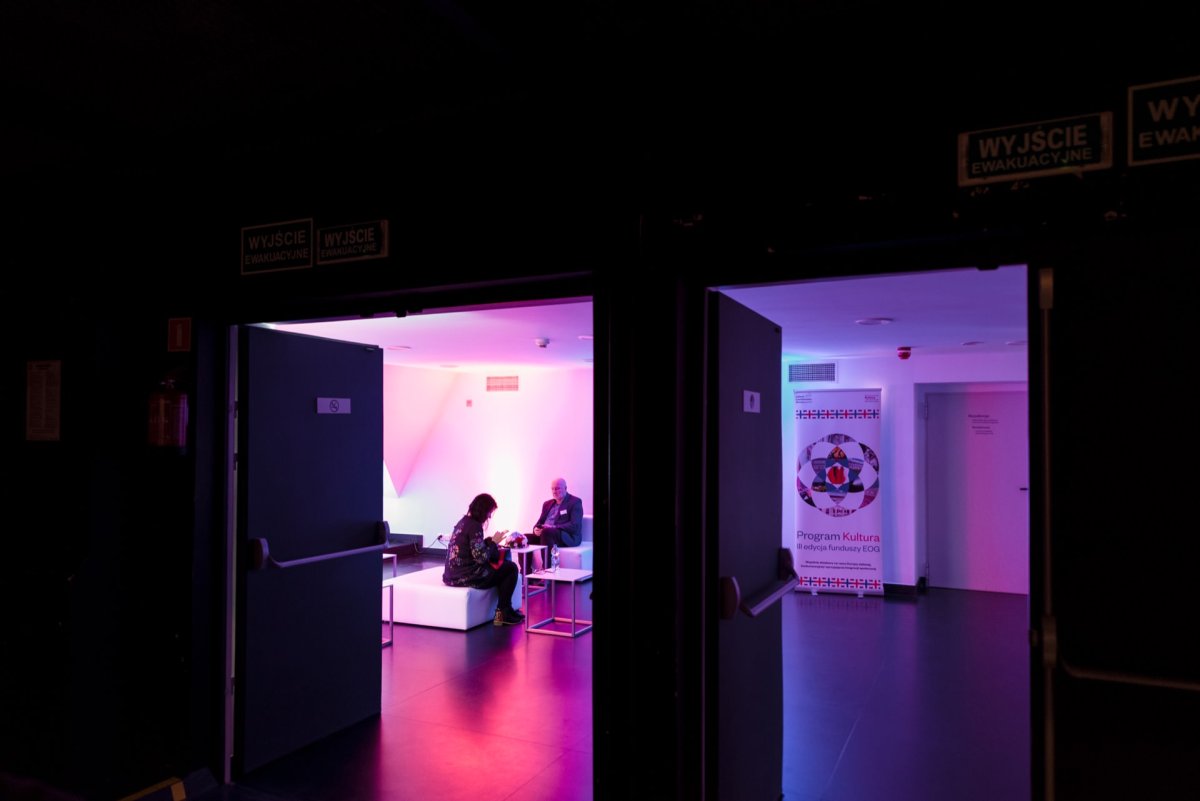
(522, 557)
(553, 578)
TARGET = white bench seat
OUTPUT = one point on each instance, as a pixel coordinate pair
(578, 557)
(421, 599)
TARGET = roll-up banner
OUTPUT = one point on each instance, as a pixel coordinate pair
(839, 519)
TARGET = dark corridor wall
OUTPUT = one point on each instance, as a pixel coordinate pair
(110, 669)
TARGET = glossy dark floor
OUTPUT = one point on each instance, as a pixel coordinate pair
(906, 700)
(899, 699)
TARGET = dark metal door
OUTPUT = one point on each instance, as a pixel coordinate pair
(1116, 676)
(743, 467)
(310, 456)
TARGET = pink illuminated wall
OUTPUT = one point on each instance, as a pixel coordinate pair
(446, 438)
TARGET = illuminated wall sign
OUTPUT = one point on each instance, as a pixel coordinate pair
(1163, 121)
(355, 242)
(277, 246)
(1052, 147)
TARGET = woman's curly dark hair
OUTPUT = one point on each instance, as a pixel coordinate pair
(481, 507)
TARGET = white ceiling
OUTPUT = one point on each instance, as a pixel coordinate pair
(934, 312)
(931, 312)
(473, 339)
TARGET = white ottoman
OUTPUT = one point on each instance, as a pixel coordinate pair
(422, 599)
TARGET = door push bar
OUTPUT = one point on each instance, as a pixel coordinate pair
(731, 593)
(260, 555)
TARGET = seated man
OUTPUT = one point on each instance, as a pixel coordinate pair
(561, 520)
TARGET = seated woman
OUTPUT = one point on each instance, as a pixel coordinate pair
(468, 563)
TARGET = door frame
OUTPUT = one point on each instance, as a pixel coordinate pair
(941, 258)
(623, 347)
(523, 292)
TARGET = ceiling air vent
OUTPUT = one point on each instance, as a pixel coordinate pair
(812, 371)
(502, 383)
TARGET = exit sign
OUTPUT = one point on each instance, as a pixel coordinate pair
(1065, 146)
(277, 246)
(1163, 121)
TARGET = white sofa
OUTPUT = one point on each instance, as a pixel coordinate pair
(421, 599)
(579, 556)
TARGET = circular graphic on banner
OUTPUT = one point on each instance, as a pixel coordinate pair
(838, 475)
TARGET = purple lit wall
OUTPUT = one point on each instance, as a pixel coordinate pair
(446, 439)
(904, 483)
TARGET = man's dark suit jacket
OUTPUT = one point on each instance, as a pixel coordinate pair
(567, 527)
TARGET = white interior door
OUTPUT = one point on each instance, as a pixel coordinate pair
(977, 490)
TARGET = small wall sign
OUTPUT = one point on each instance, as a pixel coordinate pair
(277, 246)
(354, 242)
(333, 406)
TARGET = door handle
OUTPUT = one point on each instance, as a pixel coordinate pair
(260, 555)
(731, 596)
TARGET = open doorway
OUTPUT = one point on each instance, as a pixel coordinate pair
(878, 671)
(906, 334)
(493, 399)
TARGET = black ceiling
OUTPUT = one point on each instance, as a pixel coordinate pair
(833, 89)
